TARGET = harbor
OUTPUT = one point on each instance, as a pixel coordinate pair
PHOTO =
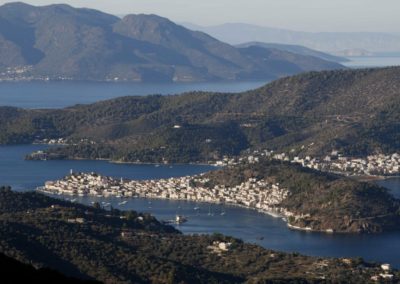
(249, 225)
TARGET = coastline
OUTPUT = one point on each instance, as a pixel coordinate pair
(273, 214)
(270, 213)
(368, 178)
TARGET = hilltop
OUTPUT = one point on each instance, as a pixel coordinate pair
(59, 42)
(129, 247)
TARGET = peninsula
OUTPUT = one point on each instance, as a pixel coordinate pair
(306, 199)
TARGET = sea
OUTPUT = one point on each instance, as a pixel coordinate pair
(249, 225)
(51, 95)
(373, 61)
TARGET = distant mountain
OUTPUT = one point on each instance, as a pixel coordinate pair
(354, 52)
(237, 33)
(61, 42)
(297, 49)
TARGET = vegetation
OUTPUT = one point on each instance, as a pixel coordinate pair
(58, 42)
(324, 201)
(44, 232)
(353, 111)
(17, 272)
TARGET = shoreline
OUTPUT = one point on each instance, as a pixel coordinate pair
(269, 213)
(368, 178)
(273, 214)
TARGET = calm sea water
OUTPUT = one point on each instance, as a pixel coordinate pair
(246, 224)
(62, 94)
(372, 61)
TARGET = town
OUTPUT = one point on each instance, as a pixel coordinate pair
(372, 165)
(255, 194)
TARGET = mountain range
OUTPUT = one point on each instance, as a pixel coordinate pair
(238, 33)
(62, 42)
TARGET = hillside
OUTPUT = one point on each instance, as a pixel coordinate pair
(110, 247)
(59, 42)
(319, 201)
(17, 272)
(297, 49)
(360, 108)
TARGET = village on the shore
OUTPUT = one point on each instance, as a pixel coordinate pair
(261, 195)
(255, 194)
(373, 165)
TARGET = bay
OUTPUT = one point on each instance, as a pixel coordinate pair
(249, 225)
(52, 95)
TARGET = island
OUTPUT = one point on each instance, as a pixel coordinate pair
(353, 112)
(99, 47)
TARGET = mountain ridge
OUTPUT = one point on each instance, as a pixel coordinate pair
(59, 42)
(238, 33)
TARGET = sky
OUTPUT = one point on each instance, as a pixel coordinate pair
(300, 15)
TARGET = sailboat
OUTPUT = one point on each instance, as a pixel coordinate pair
(209, 211)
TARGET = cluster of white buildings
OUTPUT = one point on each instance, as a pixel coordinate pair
(55, 141)
(257, 194)
(379, 164)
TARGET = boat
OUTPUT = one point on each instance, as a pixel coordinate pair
(209, 211)
(179, 219)
(123, 202)
(196, 208)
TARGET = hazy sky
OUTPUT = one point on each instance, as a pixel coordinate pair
(307, 15)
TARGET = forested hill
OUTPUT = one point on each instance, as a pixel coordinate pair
(320, 201)
(129, 247)
(354, 111)
(59, 42)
